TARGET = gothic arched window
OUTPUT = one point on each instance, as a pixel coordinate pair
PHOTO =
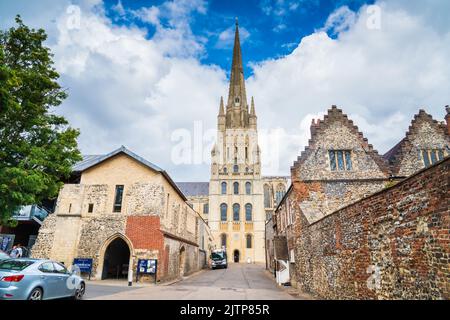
(279, 193)
(248, 212)
(223, 212)
(236, 188)
(235, 168)
(236, 211)
(224, 188)
(249, 241)
(248, 188)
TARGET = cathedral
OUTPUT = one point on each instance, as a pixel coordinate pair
(238, 199)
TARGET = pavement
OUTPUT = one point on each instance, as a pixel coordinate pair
(237, 282)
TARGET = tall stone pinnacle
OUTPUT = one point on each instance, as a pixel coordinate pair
(221, 109)
(237, 109)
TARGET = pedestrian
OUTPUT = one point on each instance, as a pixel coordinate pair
(14, 252)
(19, 251)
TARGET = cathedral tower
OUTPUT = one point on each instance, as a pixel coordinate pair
(236, 195)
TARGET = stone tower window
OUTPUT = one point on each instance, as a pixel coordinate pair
(248, 188)
(236, 188)
(118, 199)
(90, 208)
(237, 100)
(223, 212)
(235, 168)
(236, 211)
(249, 241)
(248, 212)
(224, 188)
(205, 208)
(340, 160)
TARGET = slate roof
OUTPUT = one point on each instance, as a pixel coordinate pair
(194, 189)
(90, 161)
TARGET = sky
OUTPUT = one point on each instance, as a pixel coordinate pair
(149, 74)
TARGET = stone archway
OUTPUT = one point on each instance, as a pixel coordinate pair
(182, 261)
(115, 258)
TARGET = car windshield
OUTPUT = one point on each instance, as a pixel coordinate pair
(217, 256)
(15, 265)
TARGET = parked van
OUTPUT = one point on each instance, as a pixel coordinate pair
(219, 259)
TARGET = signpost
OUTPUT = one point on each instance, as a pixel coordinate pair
(84, 264)
(147, 266)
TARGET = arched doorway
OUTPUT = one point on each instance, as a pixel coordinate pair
(116, 260)
(182, 261)
(236, 256)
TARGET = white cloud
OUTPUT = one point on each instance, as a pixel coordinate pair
(226, 37)
(340, 20)
(379, 77)
(127, 89)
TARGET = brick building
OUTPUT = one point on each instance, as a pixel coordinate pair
(339, 171)
(121, 208)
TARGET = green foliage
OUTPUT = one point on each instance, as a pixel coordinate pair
(37, 147)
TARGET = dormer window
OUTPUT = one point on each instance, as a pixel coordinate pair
(340, 160)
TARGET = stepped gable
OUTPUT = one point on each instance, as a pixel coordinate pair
(395, 155)
(317, 127)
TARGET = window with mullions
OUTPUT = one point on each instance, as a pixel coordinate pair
(430, 157)
(340, 160)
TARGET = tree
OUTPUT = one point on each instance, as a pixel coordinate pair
(37, 147)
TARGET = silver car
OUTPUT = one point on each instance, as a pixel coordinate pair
(32, 279)
(4, 256)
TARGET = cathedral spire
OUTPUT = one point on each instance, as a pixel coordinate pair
(237, 109)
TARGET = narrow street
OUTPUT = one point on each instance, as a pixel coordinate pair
(238, 282)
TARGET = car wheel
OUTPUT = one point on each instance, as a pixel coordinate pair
(36, 294)
(79, 293)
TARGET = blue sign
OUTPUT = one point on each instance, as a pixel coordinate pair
(85, 265)
(147, 266)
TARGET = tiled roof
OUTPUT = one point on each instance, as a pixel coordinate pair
(92, 160)
(193, 189)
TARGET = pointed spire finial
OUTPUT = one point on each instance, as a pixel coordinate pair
(221, 109)
(252, 110)
(237, 22)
